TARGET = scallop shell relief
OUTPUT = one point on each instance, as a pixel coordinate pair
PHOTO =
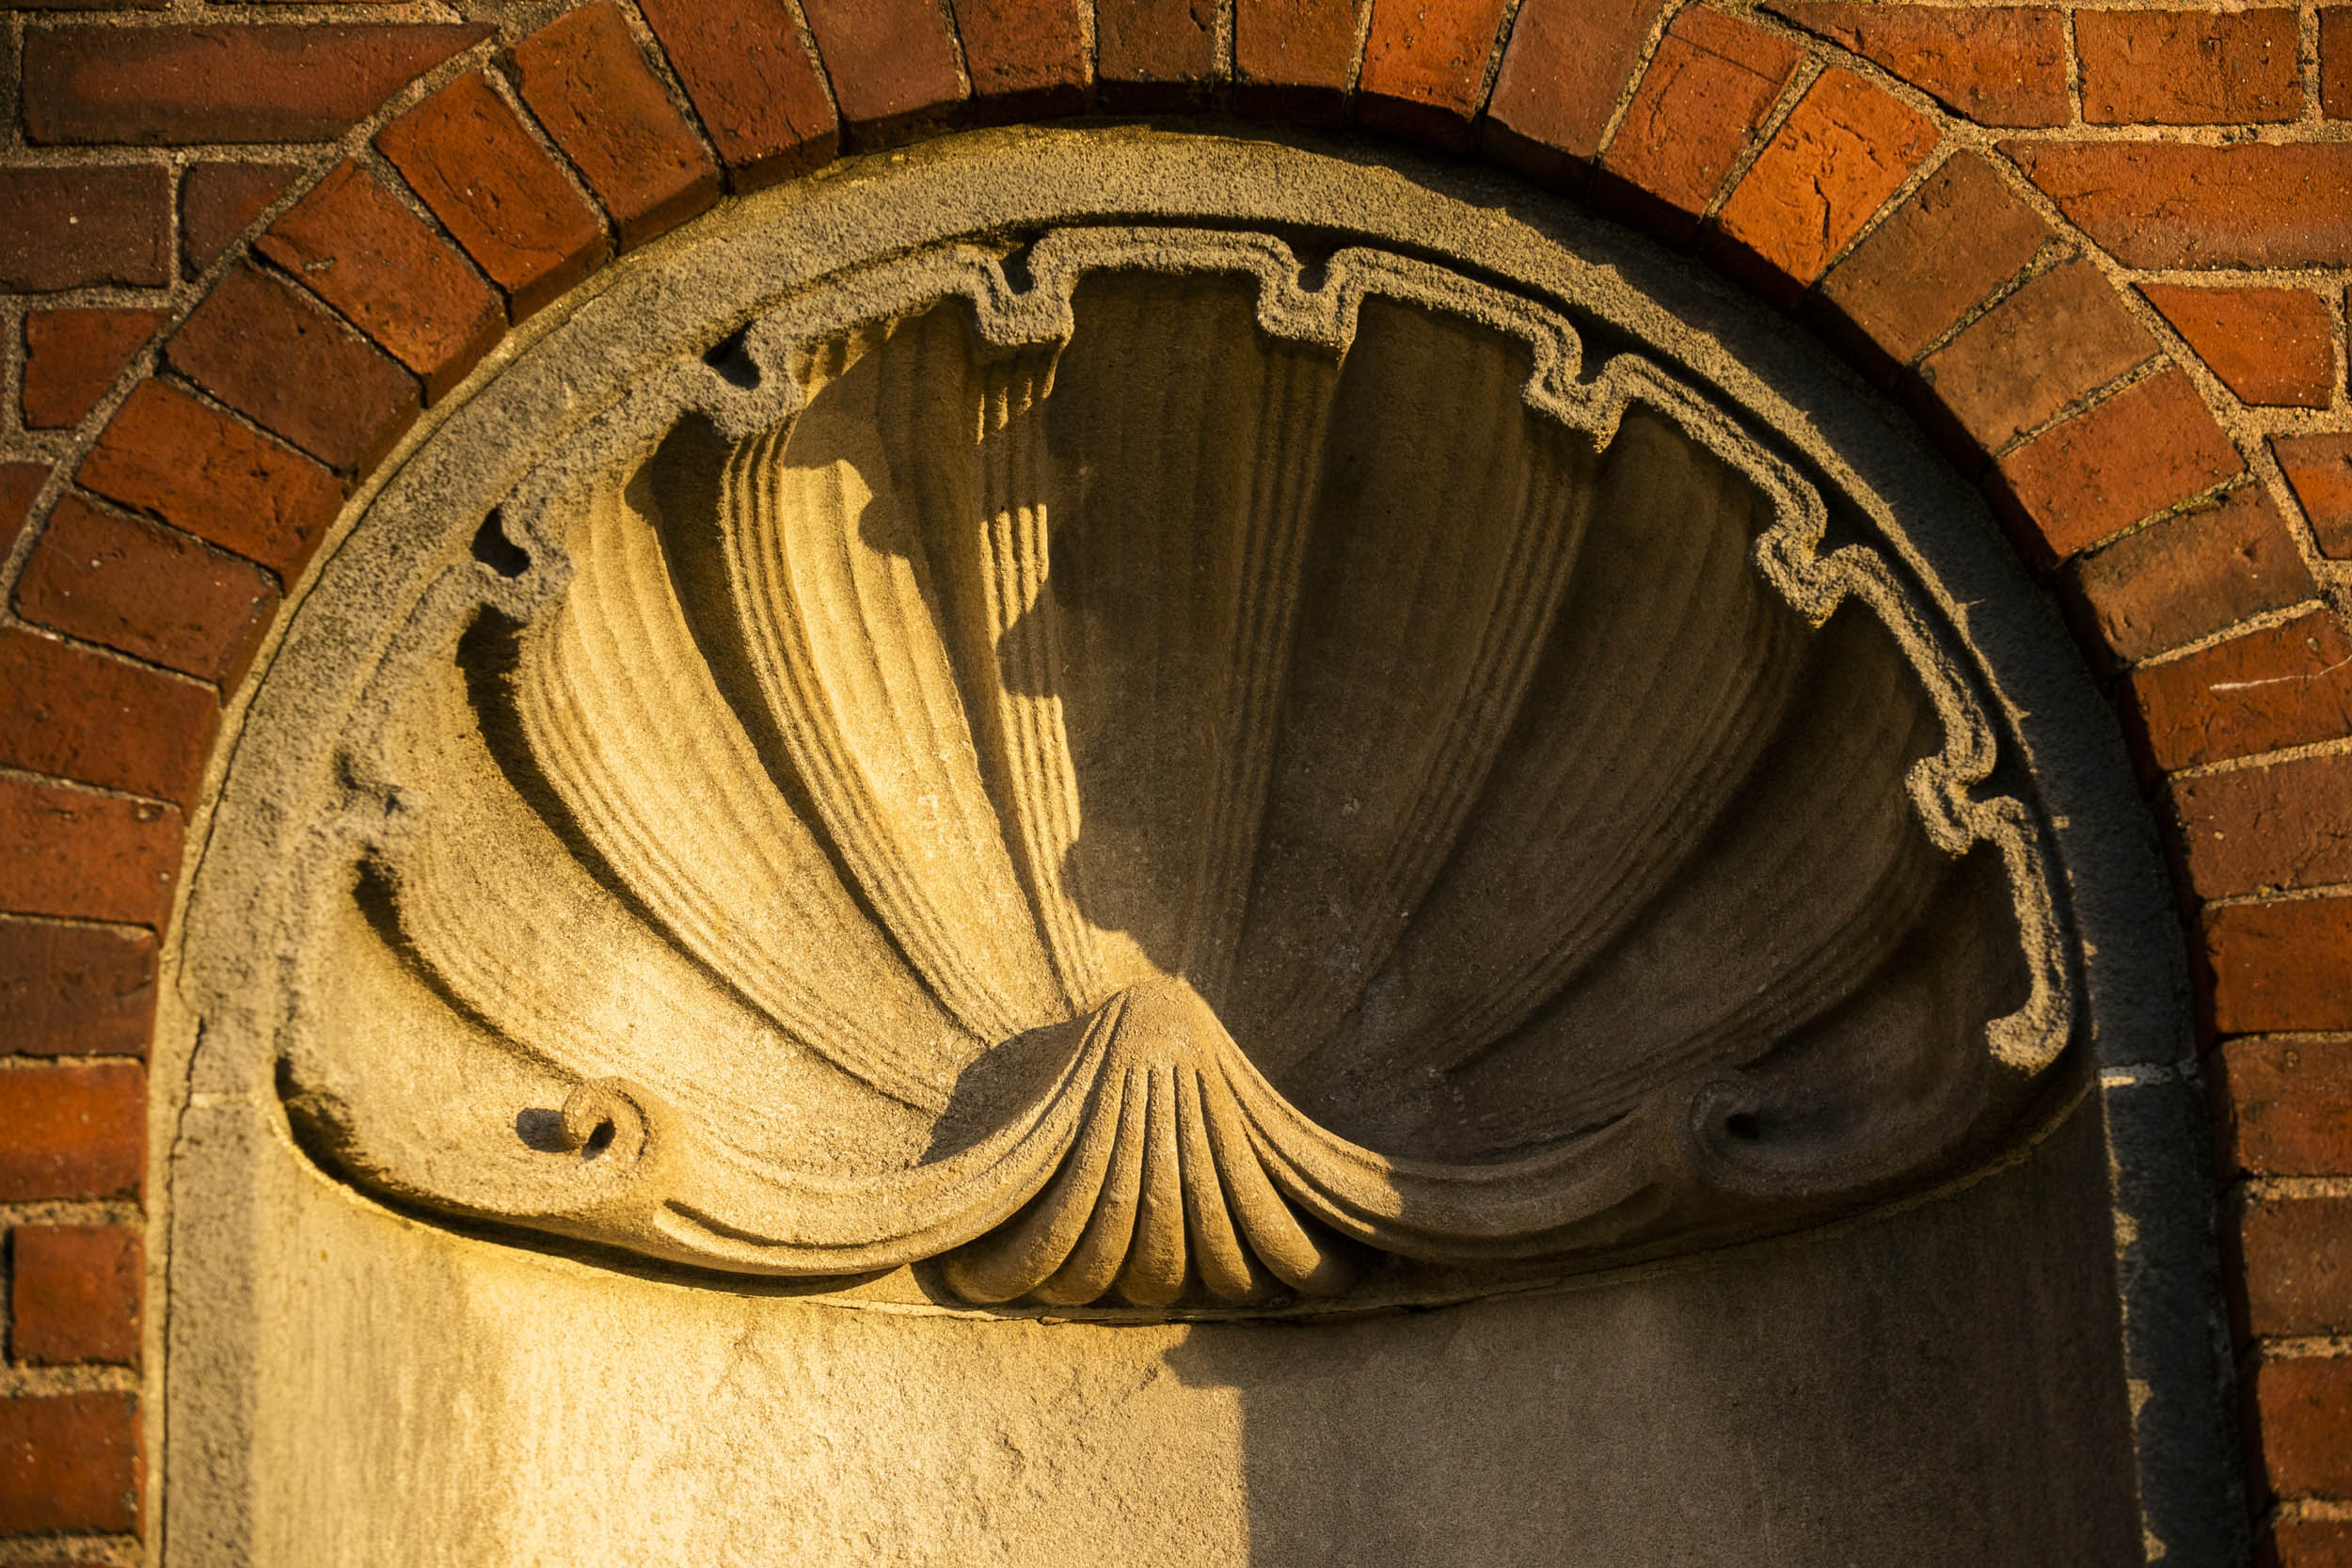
(1137, 772)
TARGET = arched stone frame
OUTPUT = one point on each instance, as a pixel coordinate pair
(2160, 1068)
(2116, 909)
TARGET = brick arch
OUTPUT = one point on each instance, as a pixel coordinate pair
(1926, 189)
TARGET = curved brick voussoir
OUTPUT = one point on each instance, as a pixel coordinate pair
(2040, 302)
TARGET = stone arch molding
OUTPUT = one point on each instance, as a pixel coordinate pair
(1192, 769)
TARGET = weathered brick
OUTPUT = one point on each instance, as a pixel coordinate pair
(76, 990)
(70, 1462)
(2300, 1427)
(1708, 89)
(308, 82)
(80, 715)
(2201, 67)
(584, 78)
(1151, 54)
(2165, 204)
(2189, 575)
(73, 357)
(353, 244)
(2306, 1543)
(218, 203)
(145, 589)
(753, 81)
(2335, 67)
(73, 1131)
(268, 350)
(466, 155)
(1425, 74)
(77, 855)
(2271, 346)
(1960, 236)
(1997, 65)
(2278, 967)
(2297, 1256)
(74, 1294)
(2319, 468)
(2148, 447)
(2282, 1107)
(19, 484)
(1293, 59)
(73, 228)
(1028, 59)
(1566, 66)
(2056, 339)
(201, 471)
(892, 63)
(2283, 685)
(1844, 149)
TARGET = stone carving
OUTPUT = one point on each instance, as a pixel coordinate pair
(1152, 772)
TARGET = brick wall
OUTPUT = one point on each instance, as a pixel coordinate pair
(2102, 253)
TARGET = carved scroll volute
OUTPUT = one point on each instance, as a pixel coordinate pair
(1175, 788)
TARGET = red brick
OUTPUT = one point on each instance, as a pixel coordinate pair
(2306, 1543)
(2301, 1428)
(2297, 1260)
(268, 350)
(583, 77)
(1425, 74)
(76, 990)
(2161, 205)
(73, 1131)
(1292, 58)
(2056, 341)
(218, 203)
(70, 1462)
(466, 155)
(73, 228)
(1960, 236)
(2263, 692)
(2271, 346)
(2335, 65)
(1844, 149)
(754, 83)
(19, 484)
(145, 589)
(2284, 1108)
(1563, 71)
(353, 244)
(892, 63)
(308, 82)
(81, 715)
(2190, 575)
(1152, 54)
(2203, 67)
(2280, 967)
(74, 1294)
(2148, 447)
(1997, 65)
(2319, 468)
(1028, 59)
(76, 855)
(212, 475)
(73, 357)
(1708, 89)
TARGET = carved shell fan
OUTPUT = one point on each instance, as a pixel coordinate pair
(1174, 786)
